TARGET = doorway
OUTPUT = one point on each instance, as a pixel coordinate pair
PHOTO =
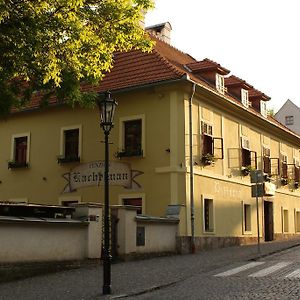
(268, 221)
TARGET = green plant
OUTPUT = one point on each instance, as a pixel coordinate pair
(12, 164)
(208, 159)
(245, 170)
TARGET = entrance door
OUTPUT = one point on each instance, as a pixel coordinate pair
(268, 221)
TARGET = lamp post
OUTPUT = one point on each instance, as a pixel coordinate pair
(107, 108)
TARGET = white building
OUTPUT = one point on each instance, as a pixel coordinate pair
(289, 115)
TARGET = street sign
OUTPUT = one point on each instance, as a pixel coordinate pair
(257, 190)
(256, 176)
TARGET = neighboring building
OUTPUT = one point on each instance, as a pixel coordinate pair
(289, 116)
(231, 134)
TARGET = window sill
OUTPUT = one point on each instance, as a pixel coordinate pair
(138, 153)
(247, 232)
(17, 165)
(65, 160)
(209, 232)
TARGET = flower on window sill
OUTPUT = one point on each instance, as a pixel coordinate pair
(284, 181)
(208, 159)
(17, 164)
(127, 153)
(67, 159)
(245, 170)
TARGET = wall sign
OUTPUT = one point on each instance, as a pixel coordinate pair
(92, 174)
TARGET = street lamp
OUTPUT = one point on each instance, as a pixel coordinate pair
(107, 108)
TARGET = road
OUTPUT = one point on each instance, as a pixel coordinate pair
(227, 273)
(273, 277)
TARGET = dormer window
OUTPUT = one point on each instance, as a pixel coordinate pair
(245, 97)
(263, 108)
(220, 84)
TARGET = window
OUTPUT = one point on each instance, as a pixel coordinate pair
(263, 108)
(212, 147)
(70, 144)
(132, 136)
(284, 166)
(247, 218)
(207, 138)
(220, 83)
(285, 220)
(297, 221)
(208, 215)
(266, 161)
(246, 153)
(20, 151)
(245, 98)
(289, 120)
(296, 173)
(134, 202)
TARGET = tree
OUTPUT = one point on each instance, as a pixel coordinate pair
(51, 46)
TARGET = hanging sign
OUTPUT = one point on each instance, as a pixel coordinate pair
(269, 189)
(92, 174)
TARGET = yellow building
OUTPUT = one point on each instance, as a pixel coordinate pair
(169, 106)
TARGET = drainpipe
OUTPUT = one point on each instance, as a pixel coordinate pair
(193, 250)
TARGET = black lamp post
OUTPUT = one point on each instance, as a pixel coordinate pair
(107, 108)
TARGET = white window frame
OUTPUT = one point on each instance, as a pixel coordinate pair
(122, 121)
(62, 139)
(245, 97)
(212, 220)
(263, 108)
(209, 128)
(297, 224)
(243, 218)
(296, 162)
(285, 219)
(220, 83)
(245, 143)
(13, 145)
(121, 197)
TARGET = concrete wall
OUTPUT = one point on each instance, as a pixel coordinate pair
(160, 233)
(33, 239)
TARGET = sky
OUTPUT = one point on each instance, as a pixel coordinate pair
(257, 40)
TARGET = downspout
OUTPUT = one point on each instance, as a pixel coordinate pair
(193, 250)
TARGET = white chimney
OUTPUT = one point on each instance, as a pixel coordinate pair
(162, 31)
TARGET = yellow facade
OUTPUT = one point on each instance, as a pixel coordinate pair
(165, 162)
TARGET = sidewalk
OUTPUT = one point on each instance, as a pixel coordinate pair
(134, 277)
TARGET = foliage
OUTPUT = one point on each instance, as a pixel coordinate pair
(271, 112)
(55, 45)
(208, 159)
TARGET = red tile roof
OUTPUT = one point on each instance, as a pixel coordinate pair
(134, 69)
(207, 65)
(253, 93)
(233, 81)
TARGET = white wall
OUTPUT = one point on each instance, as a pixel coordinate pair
(289, 109)
(29, 241)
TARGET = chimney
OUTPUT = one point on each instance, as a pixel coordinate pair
(161, 31)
